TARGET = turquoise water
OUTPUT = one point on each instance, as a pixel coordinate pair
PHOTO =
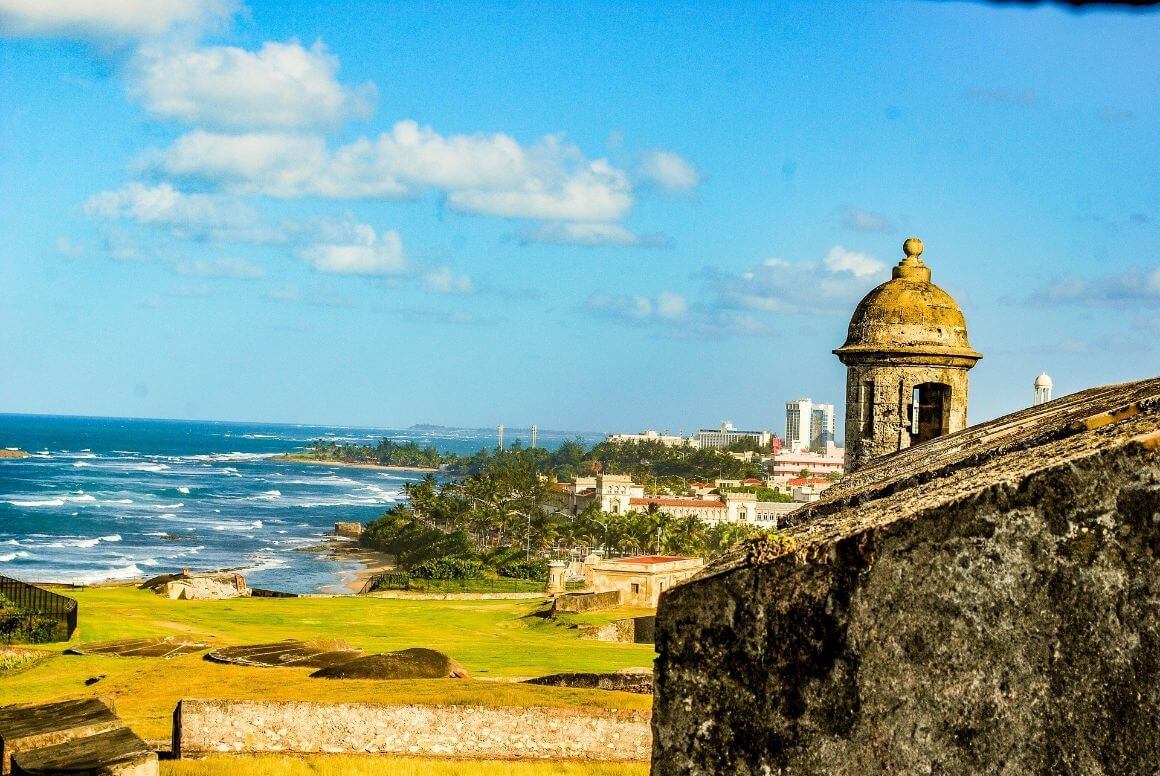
(110, 498)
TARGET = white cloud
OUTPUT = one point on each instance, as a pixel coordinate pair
(444, 281)
(671, 306)
(360, 251)
(667, 306)
(109, 18)
(670, 171)
(864, 220)
(593, 191)
(313, 296)
(280, 86)
(238, 269)
(69, 248)
(591, 234)
(860, 265)
(186, 215)
(485, 174)
(673, 316)
(830, 285)
(270, 163)
(1134, 286)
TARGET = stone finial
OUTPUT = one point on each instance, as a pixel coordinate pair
(912, 267)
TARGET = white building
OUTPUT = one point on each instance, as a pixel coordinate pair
(617, 495)
(1043, 386)
(821, 427)
(808, 425)
(651, 435)
(726, 436)
(788, 464)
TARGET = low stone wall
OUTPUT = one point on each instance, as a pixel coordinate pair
(622, 681)
(209, 726)
(632, 630)
(410, 595)
(587, 602)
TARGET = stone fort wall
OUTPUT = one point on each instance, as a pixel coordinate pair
(212, 726)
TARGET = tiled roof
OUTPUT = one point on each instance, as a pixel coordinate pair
(649, 559)
(677, 502)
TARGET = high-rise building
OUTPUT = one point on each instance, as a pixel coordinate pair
(821, 427)
(798, 418)
(809, 425)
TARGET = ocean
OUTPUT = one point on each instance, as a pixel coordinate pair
(113, 498)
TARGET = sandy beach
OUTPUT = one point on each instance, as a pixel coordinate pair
(352, 578)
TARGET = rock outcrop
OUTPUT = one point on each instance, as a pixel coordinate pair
(199, 586)
(417, 663)
(987, 602)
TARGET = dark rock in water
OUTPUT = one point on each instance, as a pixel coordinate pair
(985, 602)
(624, 682)
(417, 663)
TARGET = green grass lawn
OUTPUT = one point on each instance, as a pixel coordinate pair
(489, 638)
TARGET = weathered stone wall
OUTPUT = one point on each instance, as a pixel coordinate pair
(348, 529)
(587, 602)
(1006, 629)
(631, 630)
(889, 406)
(207, 726)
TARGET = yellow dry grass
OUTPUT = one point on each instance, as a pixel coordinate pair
(490, 638)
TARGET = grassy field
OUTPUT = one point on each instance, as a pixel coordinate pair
(492, 639)
(341, 765)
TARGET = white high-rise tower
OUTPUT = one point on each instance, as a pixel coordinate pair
(798, 418)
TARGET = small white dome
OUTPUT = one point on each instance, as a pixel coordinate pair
(1043, 381)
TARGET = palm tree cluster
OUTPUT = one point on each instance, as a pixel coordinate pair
(387, 452)
(505, 501)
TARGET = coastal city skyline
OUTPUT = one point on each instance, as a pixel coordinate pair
(269, 214)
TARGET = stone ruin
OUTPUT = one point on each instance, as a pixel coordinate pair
(199, 586)
(82, 737)
(985, 602)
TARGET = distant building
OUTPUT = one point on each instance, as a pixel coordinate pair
(821, 427)
(618, 495)
(727, 436)
(650, 435)
(787, 465)
(614, 493)
(642, 579)
(1043, 386)
(797, 424)
(809, 425)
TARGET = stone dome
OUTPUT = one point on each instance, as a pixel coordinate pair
(1043, 381)
(909, 317)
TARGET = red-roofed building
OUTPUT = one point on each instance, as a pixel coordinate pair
(642, 579)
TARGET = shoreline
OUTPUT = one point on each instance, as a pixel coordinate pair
(349, 580)
(354, 465)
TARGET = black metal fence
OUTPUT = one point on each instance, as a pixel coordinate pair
(32, 614)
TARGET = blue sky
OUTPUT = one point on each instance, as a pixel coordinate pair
(606, 217)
